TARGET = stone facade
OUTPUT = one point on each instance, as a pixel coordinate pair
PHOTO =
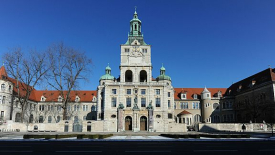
(136, 102)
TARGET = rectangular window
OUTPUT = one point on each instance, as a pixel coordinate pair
(175, 105)
(129, 91)
(169, 104)
(157, 102)
(68, 108)
(2, 114)
(113, 91)
(196, 105)
(59, 108)
(41, 107)
(113, 101)
(157, 91)
(127, 49)
(143, 91)
(85, 107)
(184, 105)
(143, 102)
(144, 50)
(168, 94)
(1, 99)
(3, 87)
(128, 101)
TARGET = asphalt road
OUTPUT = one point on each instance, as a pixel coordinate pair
(138, 147)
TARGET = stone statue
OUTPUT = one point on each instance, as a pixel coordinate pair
(150, 105)
(135, 100)
(120, 106)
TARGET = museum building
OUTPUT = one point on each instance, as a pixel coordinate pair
(135, 101)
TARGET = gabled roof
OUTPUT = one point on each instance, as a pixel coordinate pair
(264, 76)
(191, 91)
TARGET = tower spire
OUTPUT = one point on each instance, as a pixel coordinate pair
(135, 30)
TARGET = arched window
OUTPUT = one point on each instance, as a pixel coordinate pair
(17, 117)
(135, 26)
(58, 119)
(197, 118)
(128, 76)
(31, 118)
(143, 76)
(93, 108)
(41, 119)
(49, 119)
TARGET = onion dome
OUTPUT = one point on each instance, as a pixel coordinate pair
(162, 75)
(107, 75)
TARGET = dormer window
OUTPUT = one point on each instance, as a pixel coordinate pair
(253, 83)
(195, 96)
(239, 88)
(219, 94)
(77, 99)
(43, 98)
(94, 99)
(207, 95)
(59, 99)
(183, 96)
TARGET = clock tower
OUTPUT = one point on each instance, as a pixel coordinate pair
(135, 65)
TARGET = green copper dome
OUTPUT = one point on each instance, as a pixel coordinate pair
(135, 31)
(107, 75)
(108, 67)
(162, 68)
(162, 75)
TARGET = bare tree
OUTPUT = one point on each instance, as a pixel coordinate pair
(68, 66)
(27, 72)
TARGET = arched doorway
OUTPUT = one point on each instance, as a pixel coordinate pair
(143, 123)
(128, 76)
(128, 123)
(143, 76)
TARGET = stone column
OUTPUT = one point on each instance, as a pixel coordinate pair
(151, 120)
(120, 121)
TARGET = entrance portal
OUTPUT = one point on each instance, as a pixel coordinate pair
(128, 123)
(143, 123)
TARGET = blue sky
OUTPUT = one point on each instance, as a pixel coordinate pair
(200, 42)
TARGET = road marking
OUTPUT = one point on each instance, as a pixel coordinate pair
(16, 151)
(84, 146)
(215, 150)
(76, 151)
(14, 146)
(149, 151)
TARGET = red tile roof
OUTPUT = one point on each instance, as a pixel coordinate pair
(3, 72)
(52, 95)
(191, 91)
(184, 112)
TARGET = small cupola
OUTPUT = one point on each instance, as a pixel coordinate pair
(107, 75)
(162, 75)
